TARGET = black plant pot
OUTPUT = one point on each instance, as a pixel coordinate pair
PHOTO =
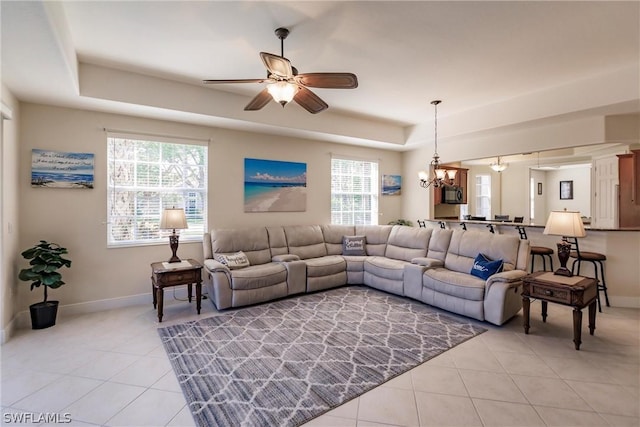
(43, 314)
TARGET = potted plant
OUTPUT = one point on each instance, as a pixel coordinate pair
(401, 222)
(46, 259)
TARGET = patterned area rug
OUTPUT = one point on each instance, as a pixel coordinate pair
(286, 362)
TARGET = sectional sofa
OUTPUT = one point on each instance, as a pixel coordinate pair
(253, 265)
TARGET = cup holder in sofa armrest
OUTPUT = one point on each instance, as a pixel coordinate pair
(427, 262)
(285, 258)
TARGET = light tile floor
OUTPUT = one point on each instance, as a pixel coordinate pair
(109, 368)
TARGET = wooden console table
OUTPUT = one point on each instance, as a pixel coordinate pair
(164, 275)
(576, 291)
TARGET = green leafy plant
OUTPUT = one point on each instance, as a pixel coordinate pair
(401, 222)
(46, 259)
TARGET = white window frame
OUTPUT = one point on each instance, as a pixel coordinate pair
(179, 194)
(351, 183)
(483, 192)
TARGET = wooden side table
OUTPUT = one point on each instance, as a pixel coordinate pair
(576, 291)
(164, 275)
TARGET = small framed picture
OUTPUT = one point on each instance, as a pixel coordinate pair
(566, 190)
(539, 189)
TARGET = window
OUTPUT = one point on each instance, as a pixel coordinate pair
(144, 177)
(354, 192)
(483, 196)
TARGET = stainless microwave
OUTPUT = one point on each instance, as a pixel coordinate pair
(452, 195)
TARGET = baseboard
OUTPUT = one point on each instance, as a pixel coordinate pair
(624, 302)
(7, 333)
(23, 318)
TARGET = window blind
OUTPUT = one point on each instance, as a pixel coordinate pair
(354, 192)
(144, 177)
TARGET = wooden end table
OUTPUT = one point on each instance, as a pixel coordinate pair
(576, 291)
(164, 275)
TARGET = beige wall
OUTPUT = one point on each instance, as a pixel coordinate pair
(9, 245)
(77, 218)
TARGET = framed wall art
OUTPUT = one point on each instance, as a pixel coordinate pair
(59, 169)
(566, 190)
(391, 185)
(274, 186)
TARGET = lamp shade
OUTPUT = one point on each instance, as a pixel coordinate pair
(173, 218)
(565, 223)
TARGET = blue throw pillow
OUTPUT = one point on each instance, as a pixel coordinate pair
(483, 267)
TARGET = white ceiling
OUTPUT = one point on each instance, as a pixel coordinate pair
(494, 64)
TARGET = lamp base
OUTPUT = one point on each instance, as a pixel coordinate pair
(173, 244)
(564, 249)
(563, 271)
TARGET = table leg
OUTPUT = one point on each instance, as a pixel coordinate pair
(544, 311)
(198, 295)
(577, 327)
(525, 313)
(153, 292)
(160, 297)
(592, 316)
(189, 291)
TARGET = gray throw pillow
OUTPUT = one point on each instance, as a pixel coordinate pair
(354, 245)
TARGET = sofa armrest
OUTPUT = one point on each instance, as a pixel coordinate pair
(285, 258)
(427, 262)
(216, 267)
(512, 277)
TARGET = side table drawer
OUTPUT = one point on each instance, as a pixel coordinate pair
(178, 277)
(550, 293)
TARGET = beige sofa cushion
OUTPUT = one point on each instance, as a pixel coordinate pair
(333, 237)
(461, 285)
(392, 269)
(258, 276)
(325, 266)
(466, 245)
(253, 241)
(377, 237)
(306, 241)
(277, 241)
(406, 243)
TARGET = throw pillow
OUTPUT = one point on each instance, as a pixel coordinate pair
(233, 261)
(354, 245)
(483, 267)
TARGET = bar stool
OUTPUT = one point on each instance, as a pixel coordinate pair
(597, 259)
(543, 252)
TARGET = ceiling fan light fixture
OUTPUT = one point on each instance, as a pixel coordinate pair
(282, 91)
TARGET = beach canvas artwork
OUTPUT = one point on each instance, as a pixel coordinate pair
(391, 185)
(274, 186)
(58, 169)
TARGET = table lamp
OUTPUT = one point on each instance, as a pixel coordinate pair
(565, 224)
(173, 219)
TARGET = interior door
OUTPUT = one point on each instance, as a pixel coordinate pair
(605, 197)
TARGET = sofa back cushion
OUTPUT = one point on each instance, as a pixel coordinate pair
(406, 243)
(466, 245)
(277, 241)
(439, 243)
(333, 237)
(376, 236)
(253, 241)
(306, 241)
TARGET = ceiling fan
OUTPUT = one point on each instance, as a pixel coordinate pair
(285, 84)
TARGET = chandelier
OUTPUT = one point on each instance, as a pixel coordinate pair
(439, 176)
(498, 167)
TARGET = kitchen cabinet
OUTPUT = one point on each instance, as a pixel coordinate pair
(460, 181)
(629, 189)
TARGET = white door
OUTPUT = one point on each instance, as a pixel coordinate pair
(605, 197)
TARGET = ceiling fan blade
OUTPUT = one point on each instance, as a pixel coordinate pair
(277, 65)
(234, 81)
(259, 101)
(309, 100)
(328, 80)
